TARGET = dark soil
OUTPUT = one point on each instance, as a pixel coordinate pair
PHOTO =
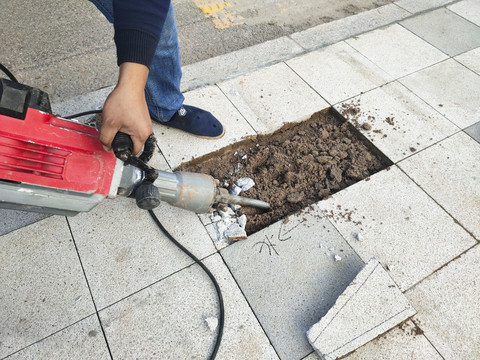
(294, 167)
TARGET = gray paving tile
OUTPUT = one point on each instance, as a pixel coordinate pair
(236, 63)
(451, 89)
(290, 278)
(14, 219)
(445, 30)
(179, 146)
(371, 305)
(167, 320)
(123, 251)
(415, 6)
(469, 9)
(271, 97)
(400, 225)
(332, 32)
(470, 59)
(447, 305)
(448, 172)
(43, 288)
(474, 131)
(83, 340)
(338, 72)
(401, 123)
(396, 50)
(402, 342)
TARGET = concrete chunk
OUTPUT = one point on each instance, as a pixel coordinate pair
(371, 305)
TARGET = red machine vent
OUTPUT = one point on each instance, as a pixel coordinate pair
(29, 158)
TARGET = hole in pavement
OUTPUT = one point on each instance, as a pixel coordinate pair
(295, 166)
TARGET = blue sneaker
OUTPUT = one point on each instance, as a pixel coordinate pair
(197, 122)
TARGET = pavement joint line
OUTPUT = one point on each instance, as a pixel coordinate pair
(89, 289)
(426, 337)
(465, 66)
(248, 303)
(441, 267)
(158, 281)
(48, 336)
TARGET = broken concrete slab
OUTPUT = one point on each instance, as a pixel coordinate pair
(371, 305)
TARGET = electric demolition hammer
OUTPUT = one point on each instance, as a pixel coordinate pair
(54, 165)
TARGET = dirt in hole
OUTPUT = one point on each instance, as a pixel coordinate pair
(295, 166)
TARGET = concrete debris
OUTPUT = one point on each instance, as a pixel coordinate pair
(212, 323)
(242, 221)
(337, 258)
(235, 233)
(235, 190)
(245, 183)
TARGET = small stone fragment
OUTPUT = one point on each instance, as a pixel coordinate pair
(242, 221)
(358, 236)
(337, 258)
(245, 183)
(212, 323)
(235, 190)
(235, 233)
(366, 126)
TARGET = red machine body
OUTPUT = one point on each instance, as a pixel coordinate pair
(48, 151)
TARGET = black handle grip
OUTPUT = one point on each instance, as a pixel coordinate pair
(122, 145)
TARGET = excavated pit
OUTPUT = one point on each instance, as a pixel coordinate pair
(295, 166)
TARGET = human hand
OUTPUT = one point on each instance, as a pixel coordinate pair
(126, 110)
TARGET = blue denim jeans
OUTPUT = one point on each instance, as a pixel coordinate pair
(162, 92)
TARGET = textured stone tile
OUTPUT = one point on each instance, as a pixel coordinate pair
(271, 97)
(399, 224)
(474, 131)
(449, 173)
(396, 50)
(401, 123)
(332, 32)
(449, 88)
(469, 9)
(403, 342)
(43, 288)
(83, 340)
(239, 62)
(14, 219)
(123, 251)
(179, 146)
(290, 277)
(447, 305)
(415, 6)
(371, 305)
(471, 59)
(338, 72)
(445, 30)
(167, 319)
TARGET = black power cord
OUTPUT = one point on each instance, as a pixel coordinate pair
(221, 317)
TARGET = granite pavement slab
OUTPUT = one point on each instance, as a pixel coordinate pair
(370, 306)
(451, 89)
(178, 146)
(468, 9)
(449, 172)
(400, 122)
(123, 251)
(396, 50)
(168, 319)
(82, 340)
(43, 287)
(338, 72)
(332, 32)
(272, 96)
(291, 274)
(447, 305)
(445, 30)
(398, 224)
